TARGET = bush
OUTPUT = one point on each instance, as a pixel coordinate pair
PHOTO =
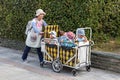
(103, 16)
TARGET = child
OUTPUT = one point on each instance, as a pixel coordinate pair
(81, 36)
(53, 38)
(71, 36)
(62, 37)
(67, 39)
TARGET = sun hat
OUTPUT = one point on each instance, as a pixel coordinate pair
(53, 33)
(81, 32)
(40, 11)
(70, 35)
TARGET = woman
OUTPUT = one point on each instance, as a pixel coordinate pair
(35, 35)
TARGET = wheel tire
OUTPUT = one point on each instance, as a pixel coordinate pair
(57, 66)
(74, 72)
(88, 68)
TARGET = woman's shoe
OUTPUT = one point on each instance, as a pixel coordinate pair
(42, 63)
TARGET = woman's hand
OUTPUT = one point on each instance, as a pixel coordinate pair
(41, 33)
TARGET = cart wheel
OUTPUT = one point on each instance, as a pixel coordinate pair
(57, 66)
(88, 68)
(74, 72)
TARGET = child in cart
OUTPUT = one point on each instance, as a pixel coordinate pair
(67, 39)
(81, 36)
(52, 39)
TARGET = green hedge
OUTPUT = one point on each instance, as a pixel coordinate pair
(103, 16)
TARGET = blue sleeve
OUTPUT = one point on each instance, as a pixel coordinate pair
(35, 27)
(44, 23)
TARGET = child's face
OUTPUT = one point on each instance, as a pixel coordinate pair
(41, 16)
(80, 36)
(51, 36)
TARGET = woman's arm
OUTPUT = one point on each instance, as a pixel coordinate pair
(44, 23)
(35, 27)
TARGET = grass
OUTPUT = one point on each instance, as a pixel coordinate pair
(112, 45)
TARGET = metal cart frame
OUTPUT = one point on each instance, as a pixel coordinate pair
(58, 63)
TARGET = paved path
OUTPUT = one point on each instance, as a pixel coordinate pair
(12, 68)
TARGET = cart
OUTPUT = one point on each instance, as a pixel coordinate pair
(74, 57)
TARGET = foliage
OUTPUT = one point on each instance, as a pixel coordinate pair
(103, 16)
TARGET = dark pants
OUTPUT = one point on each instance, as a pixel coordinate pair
(27, 50)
